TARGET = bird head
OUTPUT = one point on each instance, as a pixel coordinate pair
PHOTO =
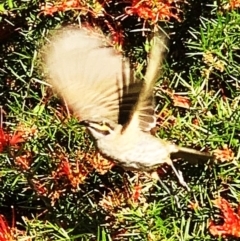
(99, 129)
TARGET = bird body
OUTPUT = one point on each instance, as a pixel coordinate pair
(131, 151)
(99, 85)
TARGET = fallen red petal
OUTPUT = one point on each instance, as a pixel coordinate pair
(231, 225)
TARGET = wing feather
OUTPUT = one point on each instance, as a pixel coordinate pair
(90, 74)
(143, 113)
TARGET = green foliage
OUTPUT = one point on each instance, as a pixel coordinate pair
(203, 65)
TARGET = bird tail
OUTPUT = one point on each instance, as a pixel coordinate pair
(192, 155)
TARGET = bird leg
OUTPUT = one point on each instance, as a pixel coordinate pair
(179, 176)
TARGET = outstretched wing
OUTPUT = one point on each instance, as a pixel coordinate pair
(143, 113)
(89, 73)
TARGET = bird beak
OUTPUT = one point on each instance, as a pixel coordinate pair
(84, 123)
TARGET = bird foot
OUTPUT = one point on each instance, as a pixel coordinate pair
(180, 177)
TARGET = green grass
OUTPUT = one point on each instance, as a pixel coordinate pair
(203, 65)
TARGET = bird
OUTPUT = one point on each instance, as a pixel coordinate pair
(99, 84)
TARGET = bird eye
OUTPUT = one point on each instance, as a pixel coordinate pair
(102, 123)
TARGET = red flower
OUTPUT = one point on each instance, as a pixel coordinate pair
(152, 10)
(76, 175)
(8, 140)
(16, 138)
(234, 4)
(3, 140)
(181, 101)
(231, 225)
(224, 155)
(59, 6)
(5, 231)
(136, 193)
(24, 161)
(96, 8)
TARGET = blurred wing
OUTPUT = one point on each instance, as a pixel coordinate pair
(88, 73)
(143, 114)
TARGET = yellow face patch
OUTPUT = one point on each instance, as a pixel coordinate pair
(101, 126)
